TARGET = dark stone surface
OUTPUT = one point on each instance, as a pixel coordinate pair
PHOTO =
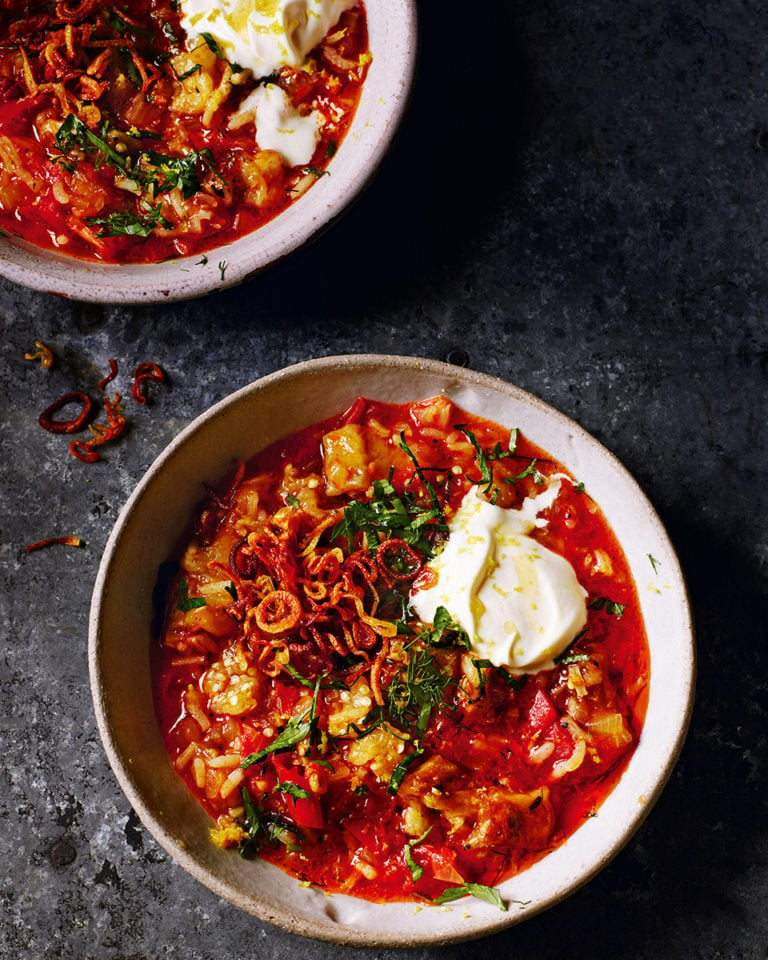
(577, 203)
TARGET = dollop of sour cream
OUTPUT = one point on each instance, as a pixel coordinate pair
(280, 126)
(263, 35)
(519, 602)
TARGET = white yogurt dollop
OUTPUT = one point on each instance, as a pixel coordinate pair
(280, 126)
(520, 603)
(262, 35)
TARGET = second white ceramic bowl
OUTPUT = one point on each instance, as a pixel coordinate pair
(393, 43)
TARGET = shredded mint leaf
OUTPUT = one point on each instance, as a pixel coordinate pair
(185, 602)
(124, 223)
(416, 869)
(530, 471)
(390, 515)
(398, 774)
(610, 606)
(480, 891)
(213, 45)
(292, 790)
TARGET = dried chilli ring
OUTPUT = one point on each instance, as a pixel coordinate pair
(111, 375)
(84, 452)
(278, 612)
(142, 373)
(42, 353)
(47, 422)
(398, 560)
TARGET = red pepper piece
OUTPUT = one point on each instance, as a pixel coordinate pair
(47, 422)
(305, 811)
(142, 373)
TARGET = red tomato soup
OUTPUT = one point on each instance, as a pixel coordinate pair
(122, 139)
(329, 730)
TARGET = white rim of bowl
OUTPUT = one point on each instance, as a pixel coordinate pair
(672, 729)
(378, 117)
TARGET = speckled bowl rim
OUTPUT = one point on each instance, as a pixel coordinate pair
(344, 919)
(393, 42)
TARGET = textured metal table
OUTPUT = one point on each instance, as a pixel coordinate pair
(577, 203)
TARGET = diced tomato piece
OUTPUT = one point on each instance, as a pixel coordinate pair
(251, 740)
(441, 861)
(541, 712)
(562, 740)
(287, 695)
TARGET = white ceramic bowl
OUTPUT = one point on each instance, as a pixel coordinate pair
(393, 42)
(144, 537)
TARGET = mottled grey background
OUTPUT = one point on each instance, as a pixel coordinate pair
(578, 201)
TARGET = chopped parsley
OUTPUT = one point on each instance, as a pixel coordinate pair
(419, 688)
(125, 223)
(151, 172)
(389, 515)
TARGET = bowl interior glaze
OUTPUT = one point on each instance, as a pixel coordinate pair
(121, 615)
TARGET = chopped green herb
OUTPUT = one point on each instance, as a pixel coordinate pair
(143, 134)
(232, 590)
(574, 658)
(188, 73)
(401, 769)
(264, 828)
(654, 563)
(124, 223)
(292, 501)
(331, 685)
(292, 790)
(213, 45)
(610, 606)
(391, 516)
(416, 868)
(567, 652)
(295, 731)
(530, 471)
(171, 36)
(185, 602)
(222, 268)
(419, 472)
(331, 148)
(419, 688)
(489, 894)
(511, 679)
(317, 171)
